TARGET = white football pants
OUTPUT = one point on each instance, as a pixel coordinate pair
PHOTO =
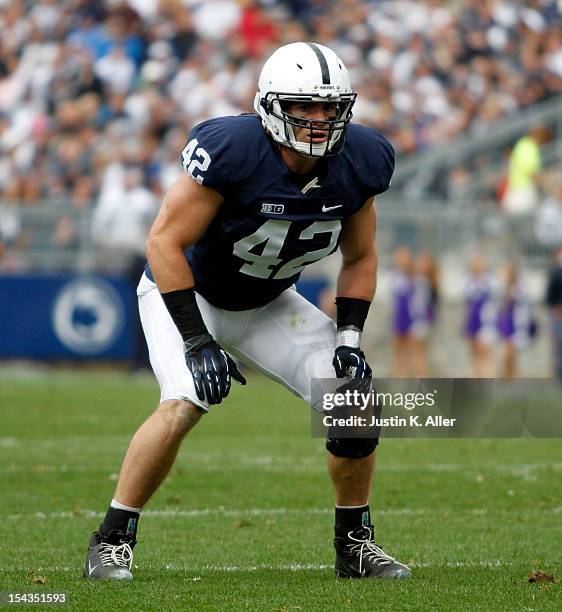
(289, 340)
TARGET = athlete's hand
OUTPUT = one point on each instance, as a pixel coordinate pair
(212, 369)
(351, 362)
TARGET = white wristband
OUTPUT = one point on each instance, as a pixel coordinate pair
(348, 336)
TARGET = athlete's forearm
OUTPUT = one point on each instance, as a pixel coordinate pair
(358, 278)
(168, 265)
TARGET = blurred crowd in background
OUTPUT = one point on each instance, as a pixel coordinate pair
(90, 89)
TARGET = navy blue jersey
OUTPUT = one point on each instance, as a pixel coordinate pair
(273, 223)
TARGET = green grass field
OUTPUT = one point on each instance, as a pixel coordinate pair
(244, 522)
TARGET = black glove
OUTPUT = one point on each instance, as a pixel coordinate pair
(351, 362)
(212, 368)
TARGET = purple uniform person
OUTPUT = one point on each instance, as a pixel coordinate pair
(514, 322)
(424, 309)
(403, 291)
(480, 316)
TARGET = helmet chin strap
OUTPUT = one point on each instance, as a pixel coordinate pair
(317, 150)
(309, 149)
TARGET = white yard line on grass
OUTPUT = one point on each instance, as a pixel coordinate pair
(8, 441)
(317, 566)
(280, 464)
(293, 567)
(195, 513)
(253, 512)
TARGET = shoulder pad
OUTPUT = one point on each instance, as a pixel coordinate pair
(222, 151)
(372, 158)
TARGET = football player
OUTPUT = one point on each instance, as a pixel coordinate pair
(262, 196)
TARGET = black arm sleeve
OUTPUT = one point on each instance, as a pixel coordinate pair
(185, 313)
(352, 311)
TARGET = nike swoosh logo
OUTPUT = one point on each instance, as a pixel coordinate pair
(327, 208)
(90, 568)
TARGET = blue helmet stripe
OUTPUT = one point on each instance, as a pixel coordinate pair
(323, 63)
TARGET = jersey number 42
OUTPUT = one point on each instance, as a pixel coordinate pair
(195, 165)
(274, 233)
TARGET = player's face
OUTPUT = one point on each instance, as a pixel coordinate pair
(319, 113)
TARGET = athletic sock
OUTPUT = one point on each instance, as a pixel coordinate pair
(121, 518)
(349, 518)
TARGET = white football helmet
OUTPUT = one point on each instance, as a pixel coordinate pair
(305, 72)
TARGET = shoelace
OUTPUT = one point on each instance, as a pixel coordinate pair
(367, 549)
(121, 555)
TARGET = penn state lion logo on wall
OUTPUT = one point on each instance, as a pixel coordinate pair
(88, 316)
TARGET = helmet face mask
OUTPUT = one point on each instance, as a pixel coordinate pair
(305, 74)
(332, 128)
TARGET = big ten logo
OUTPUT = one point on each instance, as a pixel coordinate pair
(273, 209)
